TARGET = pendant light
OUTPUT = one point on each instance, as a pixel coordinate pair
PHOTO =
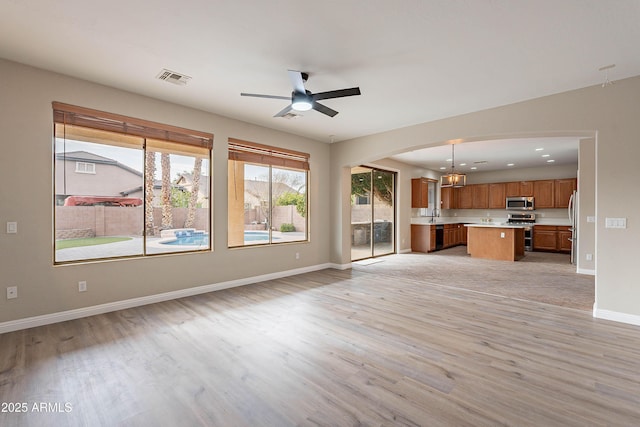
(453, 179)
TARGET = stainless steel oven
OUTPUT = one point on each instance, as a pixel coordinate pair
(526, 219)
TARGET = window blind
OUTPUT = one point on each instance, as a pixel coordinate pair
(76, 118)
(252, 152)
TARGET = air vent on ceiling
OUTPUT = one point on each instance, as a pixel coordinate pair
(290, 116)
(173, 77)
(481, 162)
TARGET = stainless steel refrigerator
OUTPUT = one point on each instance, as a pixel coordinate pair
(572, 211)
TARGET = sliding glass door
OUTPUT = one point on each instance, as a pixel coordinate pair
(372, 212)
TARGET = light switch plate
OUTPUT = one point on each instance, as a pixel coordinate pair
(615, 223)
(12, 227)
(591, 219)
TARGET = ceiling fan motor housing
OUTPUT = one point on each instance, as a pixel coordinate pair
(301, 101)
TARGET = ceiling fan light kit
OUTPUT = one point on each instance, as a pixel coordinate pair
(301, 102)
(304, 100)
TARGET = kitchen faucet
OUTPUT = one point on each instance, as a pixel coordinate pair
(434, 213)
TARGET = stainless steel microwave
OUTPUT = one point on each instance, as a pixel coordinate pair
(520, 203)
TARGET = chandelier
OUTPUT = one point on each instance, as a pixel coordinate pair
(453, 179)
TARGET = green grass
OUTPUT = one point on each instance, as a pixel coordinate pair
(76, 243)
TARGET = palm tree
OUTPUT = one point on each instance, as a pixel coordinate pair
(167, 209)
(195, 188)
(149, 173)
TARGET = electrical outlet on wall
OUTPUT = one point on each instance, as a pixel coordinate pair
(12, 292)
(82, 286)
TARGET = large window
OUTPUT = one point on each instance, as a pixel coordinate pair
(267, 194)
(128, 187)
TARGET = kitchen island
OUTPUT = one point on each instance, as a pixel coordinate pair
(503, 242)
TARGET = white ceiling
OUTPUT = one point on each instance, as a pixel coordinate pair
(414, 60)
(484, 156)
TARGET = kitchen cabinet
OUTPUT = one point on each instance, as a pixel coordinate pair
(543, 194)
(461, 234)
(423, 236)
(465, 197)
(564, 188)
(545, 238)
(480, 196)
(564, 239)
(448, 198)
(552, 238)
(452, 235)
(421, 239)
(519, 189)
(420, 193)
(448, 238)
(497, 195)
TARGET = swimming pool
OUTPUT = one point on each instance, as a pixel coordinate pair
(200, 238)
(189, 238)
(256, 236)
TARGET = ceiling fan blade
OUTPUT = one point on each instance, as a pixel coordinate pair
(257, 95)
(296, 81)
(284, 111)
(324, 109)
(336, 93)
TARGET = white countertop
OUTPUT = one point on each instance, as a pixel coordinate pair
(426, 220)
(497, 225)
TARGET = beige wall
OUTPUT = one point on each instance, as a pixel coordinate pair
(587, 205)
(607, 114)
(26, 197)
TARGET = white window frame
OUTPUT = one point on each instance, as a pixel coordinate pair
(86, 167)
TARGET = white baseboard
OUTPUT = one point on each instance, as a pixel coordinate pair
(340, 266)
(586, 271)
(632, 319)
(47, 319)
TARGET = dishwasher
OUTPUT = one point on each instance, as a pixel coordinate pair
(439, 236)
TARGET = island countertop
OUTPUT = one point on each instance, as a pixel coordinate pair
(497, 225)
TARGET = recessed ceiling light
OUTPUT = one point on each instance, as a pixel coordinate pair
(550, 161)
(474, 168)
(443, 168)
(463, 164)
(546, 155)
(448, 160)
(539, 149)
(510, 164)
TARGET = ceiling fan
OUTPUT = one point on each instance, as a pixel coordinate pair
(303, 100)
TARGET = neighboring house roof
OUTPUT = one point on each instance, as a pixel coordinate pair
(85, 156)
(186, 179)
(257, 188)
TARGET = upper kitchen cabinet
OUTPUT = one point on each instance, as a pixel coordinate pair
(543, 194)
(480, 196)
(448, 198)
(497, 195)
(465, 197)
(564, 188)
(519, 189)
(420, 193)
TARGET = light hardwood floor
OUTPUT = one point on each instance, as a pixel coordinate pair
(329, 348)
